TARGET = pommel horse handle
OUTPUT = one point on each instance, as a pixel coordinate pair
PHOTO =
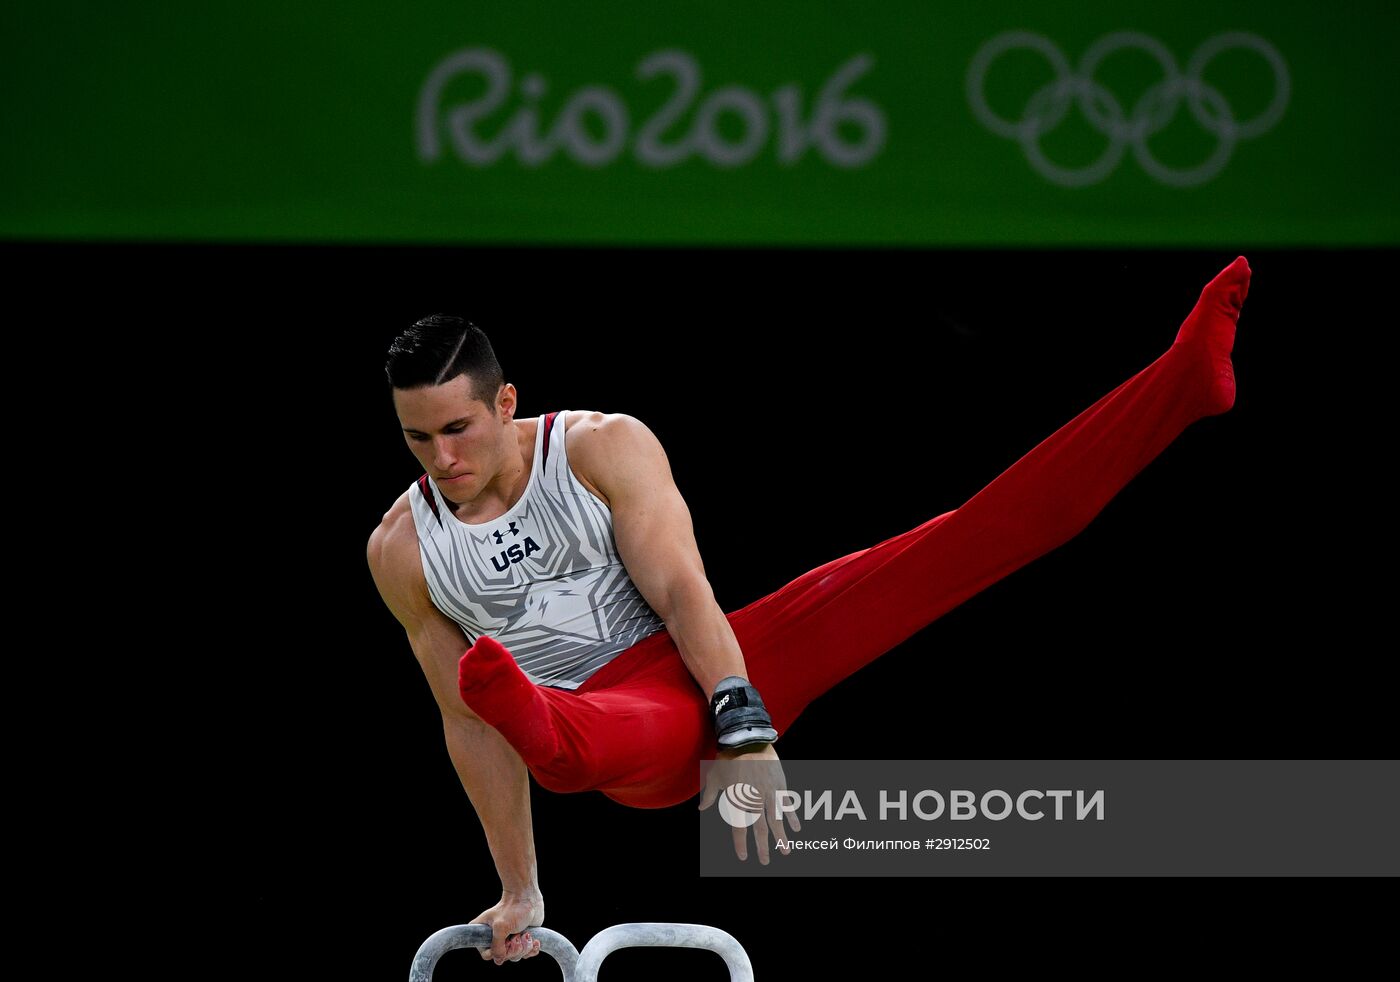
(582, 966)
(656, 934)
(552, 943)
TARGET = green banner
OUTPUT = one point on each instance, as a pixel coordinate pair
(1096, 123)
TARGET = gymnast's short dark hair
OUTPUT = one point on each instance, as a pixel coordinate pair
(440, 347)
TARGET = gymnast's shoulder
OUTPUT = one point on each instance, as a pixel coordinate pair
(605, 448)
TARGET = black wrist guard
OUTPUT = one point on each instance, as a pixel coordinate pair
(740, 720)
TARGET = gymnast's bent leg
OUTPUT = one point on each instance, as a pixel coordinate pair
(637, 736)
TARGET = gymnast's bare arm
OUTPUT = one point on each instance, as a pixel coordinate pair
(656, 540)
(490, 770)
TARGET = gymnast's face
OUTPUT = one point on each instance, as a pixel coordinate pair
(455, 436)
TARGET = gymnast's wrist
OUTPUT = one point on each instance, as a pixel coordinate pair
(525, 893)
(741, 721)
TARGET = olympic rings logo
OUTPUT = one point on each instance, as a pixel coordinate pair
(1152, 113)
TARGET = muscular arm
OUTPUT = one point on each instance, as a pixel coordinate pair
(656, 541)
(490, 770)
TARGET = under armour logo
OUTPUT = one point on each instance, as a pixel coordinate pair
(500, 536)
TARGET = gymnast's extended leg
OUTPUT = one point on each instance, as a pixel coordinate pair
(818, 630)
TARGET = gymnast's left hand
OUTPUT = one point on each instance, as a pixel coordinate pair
(764, 772)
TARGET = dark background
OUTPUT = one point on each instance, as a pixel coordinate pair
(812, 403)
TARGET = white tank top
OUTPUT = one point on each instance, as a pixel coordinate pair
(544, 579)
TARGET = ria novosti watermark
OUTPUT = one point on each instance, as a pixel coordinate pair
(1055, 817)
(927, 805)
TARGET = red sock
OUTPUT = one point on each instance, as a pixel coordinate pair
(1211, 326)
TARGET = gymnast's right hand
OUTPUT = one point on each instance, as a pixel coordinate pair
(509, 920)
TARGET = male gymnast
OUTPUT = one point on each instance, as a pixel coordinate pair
(559, 554)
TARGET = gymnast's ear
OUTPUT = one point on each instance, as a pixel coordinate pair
(507, 402)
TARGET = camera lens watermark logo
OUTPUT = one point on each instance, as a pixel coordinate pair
(1152, 113)
(741, 805)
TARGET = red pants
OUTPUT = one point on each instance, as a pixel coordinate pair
(638, 727)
